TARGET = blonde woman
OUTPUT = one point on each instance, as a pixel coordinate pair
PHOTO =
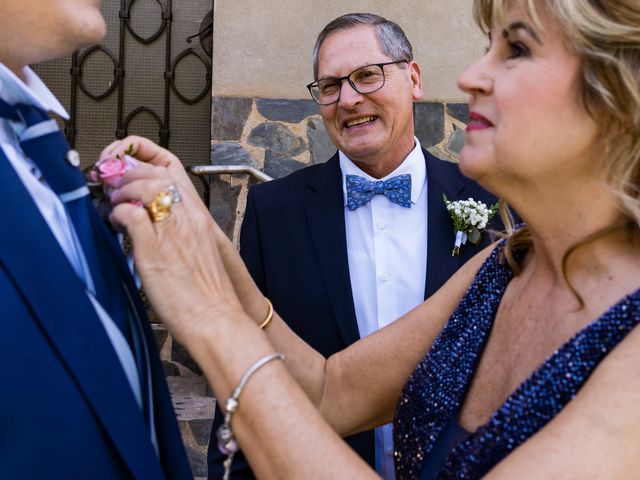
(525, 364)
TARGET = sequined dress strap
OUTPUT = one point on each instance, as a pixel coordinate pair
(544, 394)
(432, 396)
(531, 406)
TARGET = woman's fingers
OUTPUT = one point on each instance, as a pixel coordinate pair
(177, 178)
(136, 222)
(159, 177)
(153, 162)
(108, 148)
(144, 190)
(144, 150)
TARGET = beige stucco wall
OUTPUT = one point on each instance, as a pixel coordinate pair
(264, 48)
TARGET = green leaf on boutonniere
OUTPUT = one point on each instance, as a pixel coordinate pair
(474, 235)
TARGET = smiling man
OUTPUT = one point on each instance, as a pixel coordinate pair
(346, 247)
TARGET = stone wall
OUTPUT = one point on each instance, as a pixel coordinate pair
(192, 399)
(279, 136)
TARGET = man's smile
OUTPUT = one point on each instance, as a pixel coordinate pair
(360, 121)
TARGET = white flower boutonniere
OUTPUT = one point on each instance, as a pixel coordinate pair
(469, 219)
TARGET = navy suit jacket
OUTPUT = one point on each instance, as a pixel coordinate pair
(293, 242)
(66, 408)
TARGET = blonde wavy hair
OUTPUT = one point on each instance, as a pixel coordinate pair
(606, 35)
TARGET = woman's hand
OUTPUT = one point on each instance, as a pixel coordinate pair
(179, 259)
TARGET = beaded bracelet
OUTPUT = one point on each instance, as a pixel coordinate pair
(264, 324)
(226, 440)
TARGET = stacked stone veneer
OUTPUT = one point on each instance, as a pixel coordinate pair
(192, 399)
(279, 136)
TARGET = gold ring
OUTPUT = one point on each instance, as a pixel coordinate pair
(160, 208)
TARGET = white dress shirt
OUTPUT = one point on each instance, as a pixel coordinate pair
(387, 252)
(34, 92)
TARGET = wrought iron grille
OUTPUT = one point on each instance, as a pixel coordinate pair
(148, 77)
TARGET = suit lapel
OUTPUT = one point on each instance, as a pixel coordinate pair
(66, 317)
(324, 207)
(440, 263)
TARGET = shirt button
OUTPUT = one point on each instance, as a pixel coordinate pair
(385, 276)
(73, 157)
(381, 226)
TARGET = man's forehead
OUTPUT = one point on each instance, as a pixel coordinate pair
(349, 48)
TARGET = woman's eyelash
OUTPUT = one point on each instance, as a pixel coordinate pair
(515, 49)
(518, 50)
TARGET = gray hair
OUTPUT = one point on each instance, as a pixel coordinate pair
(391, 39)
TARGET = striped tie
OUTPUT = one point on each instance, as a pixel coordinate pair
(42, 141)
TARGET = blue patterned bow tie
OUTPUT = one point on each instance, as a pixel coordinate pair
(360, 190)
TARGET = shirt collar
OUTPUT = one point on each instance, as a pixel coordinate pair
(414, 165)
(32, 92)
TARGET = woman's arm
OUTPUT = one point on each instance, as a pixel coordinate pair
(200, 288)
(358, 388)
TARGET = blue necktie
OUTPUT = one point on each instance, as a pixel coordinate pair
(43, 142)
(360, 190)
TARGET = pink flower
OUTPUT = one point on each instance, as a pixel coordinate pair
(110, 170)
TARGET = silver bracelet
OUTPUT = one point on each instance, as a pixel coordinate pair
(226, 440)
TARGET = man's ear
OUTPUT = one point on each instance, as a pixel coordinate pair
(416, 80)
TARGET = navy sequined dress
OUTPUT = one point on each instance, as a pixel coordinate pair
(425, 423)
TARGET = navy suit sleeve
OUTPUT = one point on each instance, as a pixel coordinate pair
(250, 246)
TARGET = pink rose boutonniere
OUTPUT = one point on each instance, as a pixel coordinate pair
(106, 173)
(111, 169)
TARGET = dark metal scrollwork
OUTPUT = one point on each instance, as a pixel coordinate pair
(207, 66)
(166, 18)
(163, 132)
(205, 34)
(118, 71)
(118, 84)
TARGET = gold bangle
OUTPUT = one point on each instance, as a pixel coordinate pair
(264, 324)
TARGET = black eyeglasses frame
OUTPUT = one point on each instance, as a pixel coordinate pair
(348, 79)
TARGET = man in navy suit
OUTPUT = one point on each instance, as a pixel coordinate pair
(337, 260)
(82, 391)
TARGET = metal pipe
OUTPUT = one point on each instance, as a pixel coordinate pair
(204, 170)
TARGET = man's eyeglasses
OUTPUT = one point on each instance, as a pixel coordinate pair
(367, 79)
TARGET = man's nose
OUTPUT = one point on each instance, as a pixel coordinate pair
(349, 96)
